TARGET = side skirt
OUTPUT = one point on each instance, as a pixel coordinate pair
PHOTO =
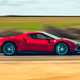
(34, 53)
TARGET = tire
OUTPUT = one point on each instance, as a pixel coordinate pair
(62, 49)
(9, 49)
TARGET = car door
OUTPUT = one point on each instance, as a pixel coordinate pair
(38, 42)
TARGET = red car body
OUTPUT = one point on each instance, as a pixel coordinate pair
(24, 42)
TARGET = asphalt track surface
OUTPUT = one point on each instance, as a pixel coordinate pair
(40, 67)
(39, 58)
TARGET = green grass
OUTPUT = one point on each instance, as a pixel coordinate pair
(33, 24)
(22, 26)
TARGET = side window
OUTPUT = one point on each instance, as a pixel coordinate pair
(39, 36)
(33, 36)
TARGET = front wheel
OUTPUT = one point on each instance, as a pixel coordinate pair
(8, 49)
(61, 49)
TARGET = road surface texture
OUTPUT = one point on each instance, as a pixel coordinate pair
(40, 68)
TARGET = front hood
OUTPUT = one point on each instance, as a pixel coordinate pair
(74, 41)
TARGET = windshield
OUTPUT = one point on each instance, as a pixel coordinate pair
(52, 36)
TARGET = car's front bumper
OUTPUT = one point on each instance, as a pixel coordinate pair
(78, 49)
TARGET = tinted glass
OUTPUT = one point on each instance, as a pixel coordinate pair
(39, 36)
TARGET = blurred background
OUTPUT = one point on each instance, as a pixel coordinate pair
(68, 27)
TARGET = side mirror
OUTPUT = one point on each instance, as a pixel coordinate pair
(49, 41)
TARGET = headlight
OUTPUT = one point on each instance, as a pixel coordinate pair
(78, 43)
(78, 46)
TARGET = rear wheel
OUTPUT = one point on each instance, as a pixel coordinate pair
(61, 49)
(9, 49)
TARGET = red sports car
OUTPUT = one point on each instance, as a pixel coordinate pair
(37, 41)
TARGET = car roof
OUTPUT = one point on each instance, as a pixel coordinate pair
(33, 32)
